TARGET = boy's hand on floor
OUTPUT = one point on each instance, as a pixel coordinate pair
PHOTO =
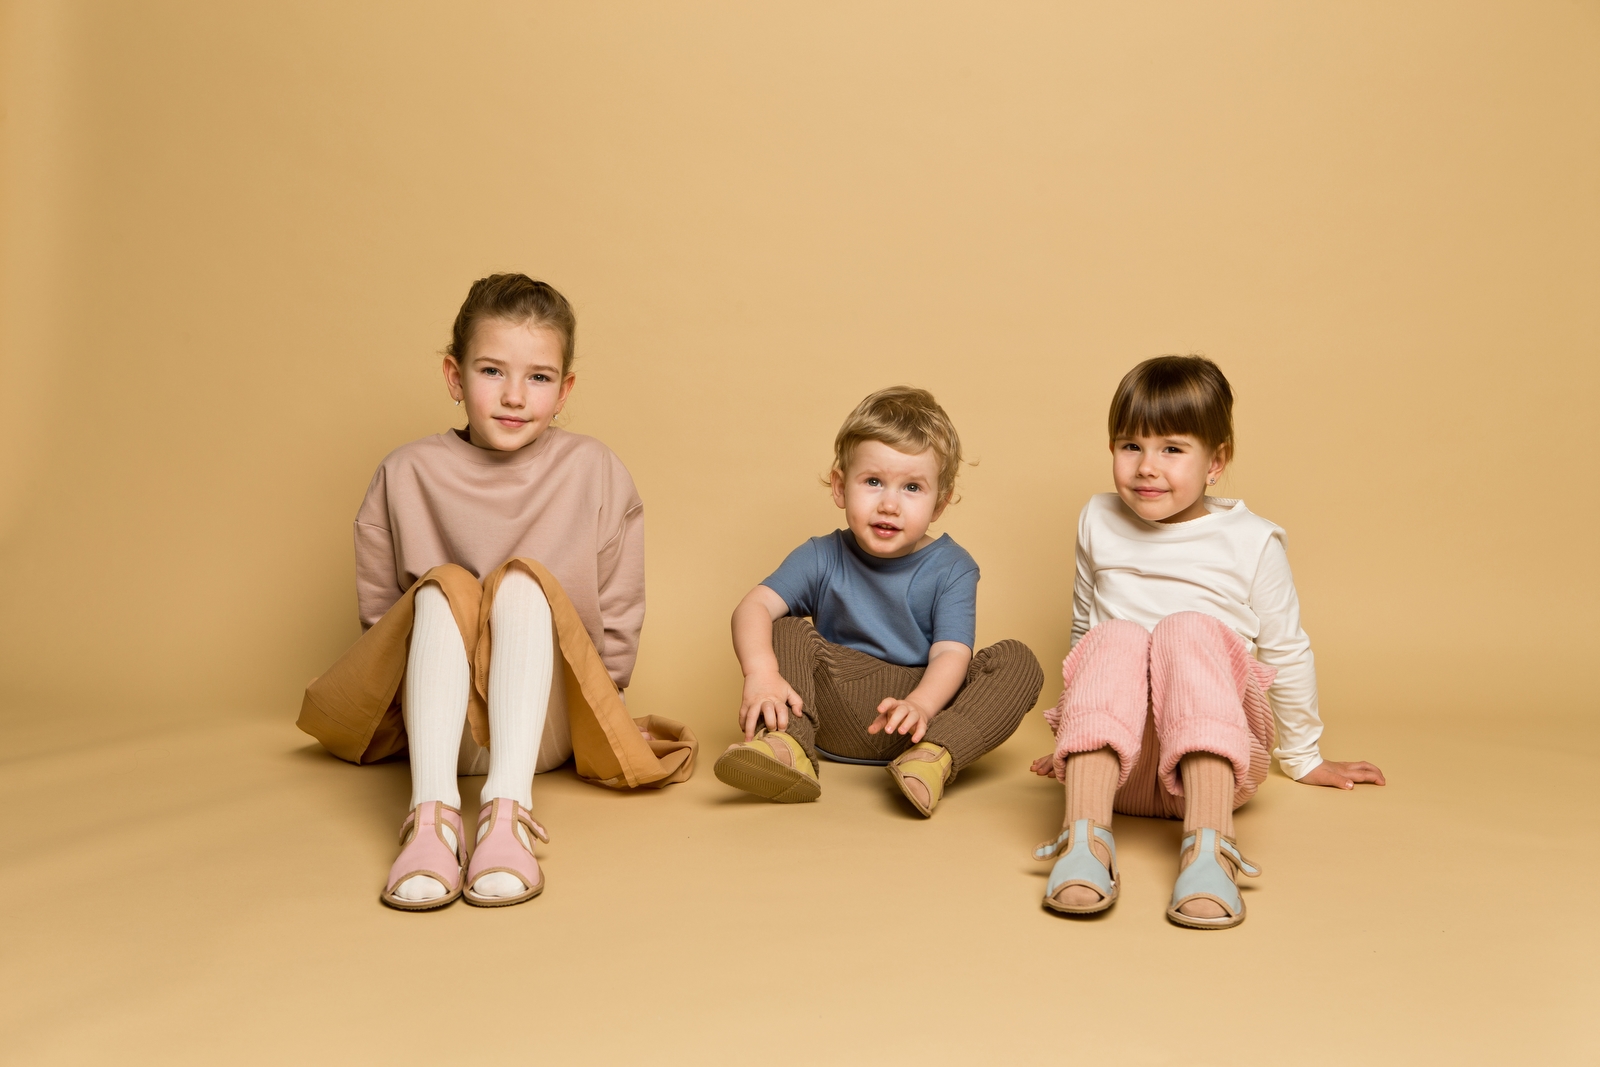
(1045, 766)
(1343, 775)
(767, 699)
(901, 717)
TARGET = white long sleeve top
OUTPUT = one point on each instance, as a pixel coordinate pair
(1232, 565)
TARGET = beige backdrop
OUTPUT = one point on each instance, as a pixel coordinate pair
(235, 239)
(234, 236)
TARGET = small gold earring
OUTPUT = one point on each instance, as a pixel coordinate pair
(458, 402)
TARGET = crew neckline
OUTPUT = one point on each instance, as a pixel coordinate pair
(1216, 507)
(492, 457)
(889, 562)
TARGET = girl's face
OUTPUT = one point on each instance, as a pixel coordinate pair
(510, 383)
(1164, 479)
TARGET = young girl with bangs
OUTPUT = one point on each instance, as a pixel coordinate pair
(1187, 656)
(500, 578)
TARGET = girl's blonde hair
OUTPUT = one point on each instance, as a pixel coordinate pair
(1175, 395)
(514, 298)
(908, 420)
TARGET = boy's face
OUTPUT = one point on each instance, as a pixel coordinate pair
(511, 383)
(1164, 479)
(889, 498)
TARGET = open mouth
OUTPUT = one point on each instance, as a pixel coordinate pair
(883, 529)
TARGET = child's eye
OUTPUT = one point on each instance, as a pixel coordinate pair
(1130, 447)
(874, 482)
(491, 371)
(1172, 448)
(912, 487)
(541, 377)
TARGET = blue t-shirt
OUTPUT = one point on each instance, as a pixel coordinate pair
(894, 609)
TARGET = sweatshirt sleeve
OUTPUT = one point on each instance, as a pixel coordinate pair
(377, 587)
(1082, 581)
(1283, 645)
(620, 570)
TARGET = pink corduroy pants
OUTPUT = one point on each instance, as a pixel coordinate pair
(1191, 685)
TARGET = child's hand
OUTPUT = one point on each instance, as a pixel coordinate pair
(1343, 775)
(1045, 766)
(770, 699)
(901, 717)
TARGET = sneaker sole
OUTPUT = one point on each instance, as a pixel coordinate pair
(752, 772)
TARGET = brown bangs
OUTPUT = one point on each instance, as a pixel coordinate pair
(1174, 395)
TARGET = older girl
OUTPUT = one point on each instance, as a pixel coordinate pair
(1187, 651)
(500, 575)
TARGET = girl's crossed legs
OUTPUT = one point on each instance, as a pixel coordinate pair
(523, 682)
(1168, 723)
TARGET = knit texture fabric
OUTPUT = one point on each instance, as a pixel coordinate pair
(1091, 780)
(1208, 789)
(1190, 686)
(519, 686)
(435, 700)
(841, 689)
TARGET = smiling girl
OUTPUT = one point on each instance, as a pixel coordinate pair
(500, 580)
(1187, 651)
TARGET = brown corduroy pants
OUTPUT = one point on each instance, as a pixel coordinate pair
(841, 688)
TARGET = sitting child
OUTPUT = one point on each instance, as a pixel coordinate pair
(1186, 646)
(500, 576)
(884, 672)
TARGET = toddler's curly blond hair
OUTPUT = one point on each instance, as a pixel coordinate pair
(908, 420)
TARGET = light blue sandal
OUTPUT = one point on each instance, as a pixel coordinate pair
(1079, 865)
(1207, 878)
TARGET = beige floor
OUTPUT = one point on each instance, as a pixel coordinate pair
(207, 894)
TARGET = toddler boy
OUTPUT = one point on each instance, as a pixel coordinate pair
(883, 672)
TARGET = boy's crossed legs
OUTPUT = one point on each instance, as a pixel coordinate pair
(840, 689)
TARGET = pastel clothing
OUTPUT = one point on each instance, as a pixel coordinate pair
(565, 500)
(891, 609)
(840, 689)
(1153, 696)
(354, 707)
(1230, 564)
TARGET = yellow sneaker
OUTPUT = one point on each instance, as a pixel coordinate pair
(773, 766)
(920, 773)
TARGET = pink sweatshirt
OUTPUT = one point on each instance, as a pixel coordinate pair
(565, 500)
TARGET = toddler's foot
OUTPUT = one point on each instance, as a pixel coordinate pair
(920, 772)
(1085, 879)
(773, 766)
(427, 873)
(1206, 896)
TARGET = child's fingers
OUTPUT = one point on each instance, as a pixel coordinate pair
(783, 716)
(916, 735)
(1362, 771)
(887, 704)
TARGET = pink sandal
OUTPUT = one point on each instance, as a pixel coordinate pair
(500, 849)
(427, 851)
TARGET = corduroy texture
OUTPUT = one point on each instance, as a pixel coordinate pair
(841, 688)
(1091, 780)
(1191, 686)
(1208, 789)
(438, 679)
